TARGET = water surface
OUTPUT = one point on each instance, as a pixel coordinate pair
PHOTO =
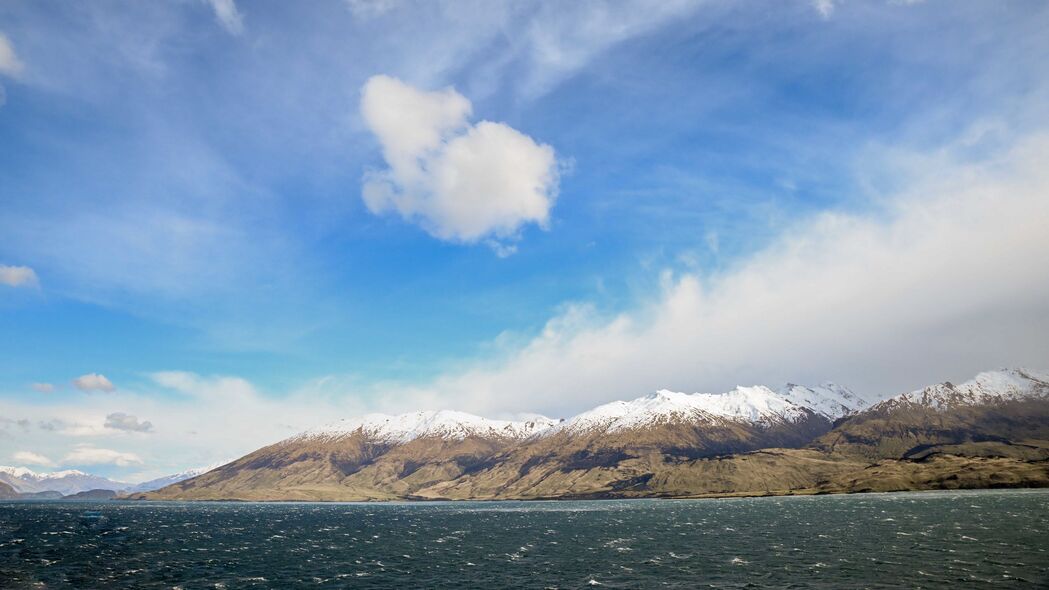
(927, 540)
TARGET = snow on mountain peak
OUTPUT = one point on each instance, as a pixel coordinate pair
(757, 404)
(985, 387)
(30, 475)
(448, 424)
(22, 472)
(829, 399)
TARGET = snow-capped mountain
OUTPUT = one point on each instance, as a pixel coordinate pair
(156, 484)
(978, 415)
(988, 387)
(827, 399)
(754, 405)
(447, 424)
(749, 439)
(66, 482)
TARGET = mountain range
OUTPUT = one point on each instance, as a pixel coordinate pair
(23, 483)
(991, 431)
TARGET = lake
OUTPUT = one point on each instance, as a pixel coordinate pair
(929, 540)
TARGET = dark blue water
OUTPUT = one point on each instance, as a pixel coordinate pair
(929, 540)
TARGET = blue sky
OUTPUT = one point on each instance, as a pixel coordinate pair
(184, 184)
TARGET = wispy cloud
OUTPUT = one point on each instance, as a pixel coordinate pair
(90, 455)
(462, 182)
(31, 458)
(228, 16)
(10, 65)
(43, 387)
(824, 7)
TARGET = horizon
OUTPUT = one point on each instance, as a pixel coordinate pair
(224, 223)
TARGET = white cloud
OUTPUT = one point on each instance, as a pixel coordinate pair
(122, 421)
(43, 387)
(943, 281)
(89, 455)
(228, 16)
(93, 382)
(31, 458)
(461, 182)
(9, 62)
(18, 276)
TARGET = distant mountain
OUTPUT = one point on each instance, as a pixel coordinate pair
(30, 484)
(67, 482)
(92, 495)
(992, 431)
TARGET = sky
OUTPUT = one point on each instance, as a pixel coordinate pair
(223, 222)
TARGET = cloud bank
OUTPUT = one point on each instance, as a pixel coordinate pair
(461, 182)
(941, 281)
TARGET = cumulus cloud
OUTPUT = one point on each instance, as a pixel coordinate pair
(93, 382)
(31, 458)
(43, 387)
(89, 455)
(122, 421)
(9, 62)
(943, 281)
(18, 276)
(461, 182)
(228, 16)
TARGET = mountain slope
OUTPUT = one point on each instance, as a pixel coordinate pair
(995, 413)
(375, 457)
(624, 446)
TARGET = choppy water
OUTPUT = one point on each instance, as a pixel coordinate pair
(880, 540)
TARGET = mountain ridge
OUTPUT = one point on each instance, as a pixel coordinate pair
(745, 441)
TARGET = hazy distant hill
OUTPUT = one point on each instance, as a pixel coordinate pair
(65, 482)
(988, 432)
(27, 484)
